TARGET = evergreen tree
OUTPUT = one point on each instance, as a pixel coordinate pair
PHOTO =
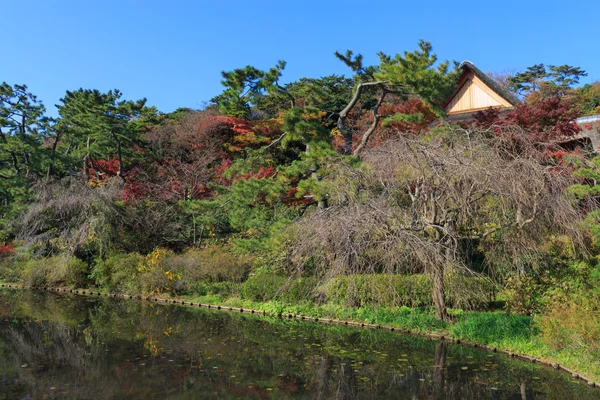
(100, 126)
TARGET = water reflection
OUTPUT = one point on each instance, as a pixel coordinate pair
(61, 346)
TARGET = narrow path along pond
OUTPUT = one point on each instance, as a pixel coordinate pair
(72, 347)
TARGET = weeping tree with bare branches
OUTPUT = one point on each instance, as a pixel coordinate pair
(418, 205)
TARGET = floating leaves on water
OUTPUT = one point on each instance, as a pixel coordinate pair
(465, 368)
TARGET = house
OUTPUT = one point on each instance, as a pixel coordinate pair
(476, 92)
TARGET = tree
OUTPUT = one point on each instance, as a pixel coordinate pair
(528, 81)
(587, 99)
(547, 122)
(23, 132)
(541, 82)
(424, 205)
(409, 75)
(328, 94)
(95, 125)
(22, 129)
(565, 76)
(245, 87)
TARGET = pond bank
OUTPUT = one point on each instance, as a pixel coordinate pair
(462, 332)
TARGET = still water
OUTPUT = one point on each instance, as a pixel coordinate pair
(58, 346)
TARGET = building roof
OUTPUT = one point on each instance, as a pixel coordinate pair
(476, 91)
(501, 90)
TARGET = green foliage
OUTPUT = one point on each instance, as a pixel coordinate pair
(245, 87)
(571, 327)
(392, 290)
(551, 81)
(23, 129)
(493, 328)
(266, 286)
(262, 287)
(100, 126)
(118, 272)
(587, 98)
(57, 270)
(416, 73)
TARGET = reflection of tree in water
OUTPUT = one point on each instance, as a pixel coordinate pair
(98, 348)
(46, 355)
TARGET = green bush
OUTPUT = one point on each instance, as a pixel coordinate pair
(118, 272)
(56, 270)
(212, 264)
(262, 286)
(393, 290)
(265, 286)
(571, 327)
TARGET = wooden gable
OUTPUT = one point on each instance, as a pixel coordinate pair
(474, 95)
(477, 91)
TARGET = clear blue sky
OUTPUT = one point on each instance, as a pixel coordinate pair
(172, 52)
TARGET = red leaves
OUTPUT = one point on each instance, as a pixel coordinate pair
(7, 250)
(548, 120)
(412, 106)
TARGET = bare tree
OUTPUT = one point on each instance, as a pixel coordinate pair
(67, 214)
(418, 203)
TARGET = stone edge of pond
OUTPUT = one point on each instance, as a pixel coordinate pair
(523, 357)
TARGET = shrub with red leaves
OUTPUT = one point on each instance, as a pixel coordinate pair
(7, 250)
(548, 120)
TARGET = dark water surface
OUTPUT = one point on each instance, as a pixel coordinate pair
(70, 347)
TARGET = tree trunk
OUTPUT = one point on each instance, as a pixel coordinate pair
(341, 122)
(439, 295)
(52, 156)
(12, 154)
(119, 158)
(441, 350)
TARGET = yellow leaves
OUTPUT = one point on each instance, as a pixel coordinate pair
(335, 132)
(171, 275)
(151, 345)
(314, 115)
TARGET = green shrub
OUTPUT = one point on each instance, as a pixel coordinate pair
(212, 264)
(11, 264)
(56, 270)
(262, 286)
(571, 327)
(118, 272)
(392, 290)
(265, 286)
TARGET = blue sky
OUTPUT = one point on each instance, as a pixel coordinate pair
(172, 52)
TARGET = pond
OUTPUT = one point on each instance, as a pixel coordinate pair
(74, 347)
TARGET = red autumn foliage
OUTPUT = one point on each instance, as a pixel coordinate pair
(103, 169)
(360, 120)
(548, 120)
(410, 107)
(7, 250)
(262, 172)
